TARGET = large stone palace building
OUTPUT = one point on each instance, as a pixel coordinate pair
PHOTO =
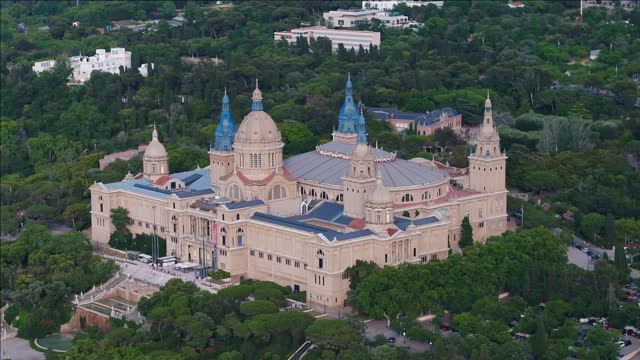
(303, 220)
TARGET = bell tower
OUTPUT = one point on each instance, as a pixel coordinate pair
(487, 164)
(360, 180)
(221, 153)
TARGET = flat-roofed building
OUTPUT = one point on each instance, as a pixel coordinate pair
(354, 17)
(424, 123)
(348, 38)
(83, 66)
(390, 4)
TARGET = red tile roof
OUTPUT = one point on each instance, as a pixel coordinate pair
(162, 180)
(356, 224)
(287, 175)
(139, 176)
(391, 231)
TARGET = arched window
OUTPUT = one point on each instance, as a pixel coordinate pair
(340, 198)
(277, 192)
(426, 195)
(237, 216)
(313, 193)
(235, 192)
(320, 252)
(407, 198)
(303, 191)
(439, 192)
(323, 195)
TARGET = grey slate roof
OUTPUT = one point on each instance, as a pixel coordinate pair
(424, 119)
(196, 181)
(327, 211)
(292, 223)
(243, 204)
(403, 223)
(314, 166)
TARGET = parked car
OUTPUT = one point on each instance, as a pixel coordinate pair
(595, 257)
(392, 340)
(589, 252)
(620, 343)
(579, 247)
(585, 250)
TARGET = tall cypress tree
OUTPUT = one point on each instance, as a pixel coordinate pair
(466, 233)
(620, 262)
(539, 340)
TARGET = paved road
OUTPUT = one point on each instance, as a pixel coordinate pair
(379, 327)
(19, 349)
(635, 344)
(583, 260)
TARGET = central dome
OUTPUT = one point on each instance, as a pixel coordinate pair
(258, 127)
(155, 149)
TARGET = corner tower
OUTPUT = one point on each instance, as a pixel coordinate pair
(221, 154)
(487, 164)
(155, 162)
(348, 117)
(360, 180)
(379, 204)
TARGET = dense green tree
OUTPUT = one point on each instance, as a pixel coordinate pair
(333, 334)
(466, 233)
(539, 342)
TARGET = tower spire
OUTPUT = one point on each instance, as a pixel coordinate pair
(348, 113)
(226, 129)
(256, 99)
(361, 129)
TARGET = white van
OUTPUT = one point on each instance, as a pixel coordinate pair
(144, 258)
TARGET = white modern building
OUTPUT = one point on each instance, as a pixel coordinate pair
(389, 4)
(354, 17)
(348, 38)
(144, 69)
(83, 66)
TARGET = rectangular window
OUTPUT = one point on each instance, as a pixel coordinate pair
(481, 225)
(434, 257)
(480, 213)
(287, 261)
(297, 264)
(252, 253)
(278, 259)
(414, 251)
(386, 258)
(269, 257)
(260, 255)
(423, 259)
(101, 208)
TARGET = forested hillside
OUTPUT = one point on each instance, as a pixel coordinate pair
(52, 134)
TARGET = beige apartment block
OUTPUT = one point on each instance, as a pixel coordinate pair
(348, 38)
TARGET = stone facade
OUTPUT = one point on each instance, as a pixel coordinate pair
(303, 221)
